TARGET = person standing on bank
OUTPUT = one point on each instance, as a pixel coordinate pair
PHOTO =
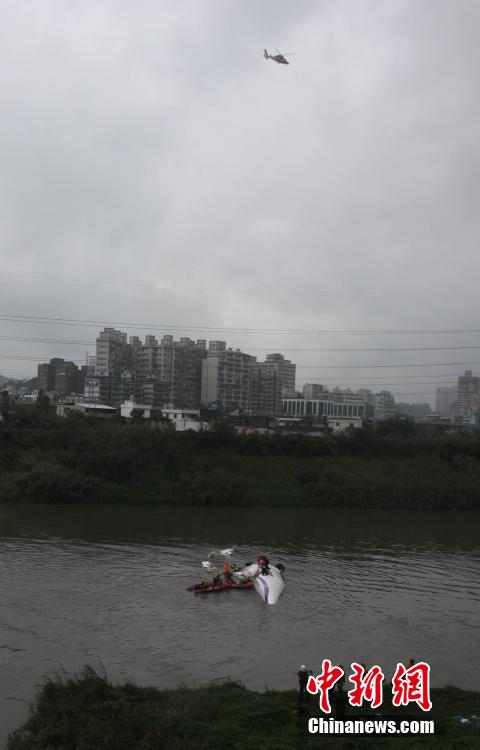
(339, 701)
(303, 675)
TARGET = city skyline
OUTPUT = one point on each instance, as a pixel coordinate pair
(188, 373)
(395, 384)
(167, 341)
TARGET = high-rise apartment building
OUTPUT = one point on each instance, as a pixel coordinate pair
(313, 390)
(46, 376)
(114, 354)
(226, 377)
(188, 357)
(91, 365)
(378, 406)
(468, 401)
(287, 372)
(185, 374)
(159, 371)
(61, 376)
(446, 400)
(169, 371)
(265, 395)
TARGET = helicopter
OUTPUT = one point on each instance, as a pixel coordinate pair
(278, 58)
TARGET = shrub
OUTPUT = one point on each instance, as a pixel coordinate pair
(214, 488)
(52, 483)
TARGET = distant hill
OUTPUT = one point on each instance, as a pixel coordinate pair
(4, 379)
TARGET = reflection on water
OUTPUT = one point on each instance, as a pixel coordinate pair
(106, 586)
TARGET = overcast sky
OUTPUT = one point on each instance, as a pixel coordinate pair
(156, 169)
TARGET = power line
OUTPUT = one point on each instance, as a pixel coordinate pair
(47, 341)
(181, 327)
(360, 349)
(41, 358)
(371, 367)
(264, 349)
(422, 393)
(387, 382)
(416, 375)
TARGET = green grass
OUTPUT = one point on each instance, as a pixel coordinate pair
(88, 712)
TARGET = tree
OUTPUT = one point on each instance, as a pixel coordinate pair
(398, 426)
(43, 402)
(136, 415)
(5, 406)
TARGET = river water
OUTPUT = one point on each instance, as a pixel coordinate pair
(106, 586)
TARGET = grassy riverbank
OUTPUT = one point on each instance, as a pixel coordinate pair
(90, 713)
(82, 461)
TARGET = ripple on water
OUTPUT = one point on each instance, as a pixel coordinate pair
(122, 604)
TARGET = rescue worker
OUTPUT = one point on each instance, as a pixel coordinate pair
(264, 564)
(227, 573)
(203, 585)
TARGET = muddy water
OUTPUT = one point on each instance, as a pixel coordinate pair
(106, 587)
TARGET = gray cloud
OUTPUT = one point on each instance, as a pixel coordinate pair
(155, 168)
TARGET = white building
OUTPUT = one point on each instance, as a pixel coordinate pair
(184, 419)
(66, 407)
(33, 396)
(384, 405)
(323, 426)
(127, 407)
(340, 424)
(180, 419)
(349, 406)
